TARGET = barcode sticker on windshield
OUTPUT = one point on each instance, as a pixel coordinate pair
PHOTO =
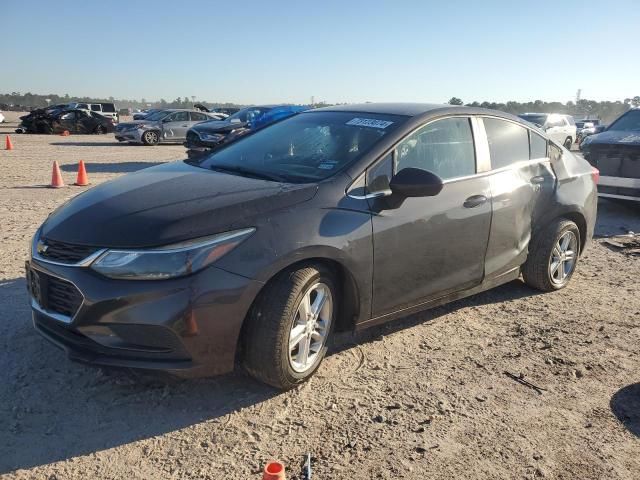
(369, 122)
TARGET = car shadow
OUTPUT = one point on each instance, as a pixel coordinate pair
(54, 409)
(625, 405)
(114, 167)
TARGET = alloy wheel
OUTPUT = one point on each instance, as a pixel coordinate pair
(310, 327)
(563, 258)
(151, 137)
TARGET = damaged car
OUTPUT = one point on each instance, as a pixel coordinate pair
(615, 151)
(207, 136)
(164, 126)
(55, 120)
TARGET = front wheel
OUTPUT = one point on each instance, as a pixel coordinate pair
(150, 137)
(100, 130)
(288, 328)
(553, 256)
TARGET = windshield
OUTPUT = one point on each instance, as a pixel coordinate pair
(305, 148)
(535, 119)
(248, 114)
(628, 122)
(157, 115)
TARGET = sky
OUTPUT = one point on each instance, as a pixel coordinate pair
(254, 52)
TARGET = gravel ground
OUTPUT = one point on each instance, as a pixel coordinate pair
(424, 397)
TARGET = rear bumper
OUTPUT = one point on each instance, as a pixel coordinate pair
(188, 326)
(619, 187)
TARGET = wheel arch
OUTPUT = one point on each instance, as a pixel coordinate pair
(350, 300)
(579, 219)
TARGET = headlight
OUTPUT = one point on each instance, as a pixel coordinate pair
(170, 261)
(211, 137)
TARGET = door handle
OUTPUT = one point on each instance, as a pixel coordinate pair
(537, 180)
(474, 201)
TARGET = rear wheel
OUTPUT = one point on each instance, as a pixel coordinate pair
(288, 328)
(553, 256)
(150, 137)
(567, 143)
(100, 130)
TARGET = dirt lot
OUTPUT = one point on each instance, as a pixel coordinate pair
(425, 397)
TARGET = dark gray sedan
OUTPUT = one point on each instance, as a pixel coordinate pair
(334, 219)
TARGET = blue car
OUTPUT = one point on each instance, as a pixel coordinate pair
(207, 136)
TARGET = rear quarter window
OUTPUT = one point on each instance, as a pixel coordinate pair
(108, 107)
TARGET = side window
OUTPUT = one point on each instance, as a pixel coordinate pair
(538, 148)
(198, 117)
(96, 107)
(180, 117)
(508, 142)
(379, 176)
(444, 147)
(68, 116)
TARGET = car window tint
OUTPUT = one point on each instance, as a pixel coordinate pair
(379, 176)
(198, 117)
(180, 117)
(444, 147)
(96, 108)
(538, 146)
(508, 142)
(68, 116)
(108, 107)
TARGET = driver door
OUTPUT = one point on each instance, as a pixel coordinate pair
(175, 126)
(427, 247)
(67, 121)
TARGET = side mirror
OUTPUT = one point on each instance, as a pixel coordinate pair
(414, 182)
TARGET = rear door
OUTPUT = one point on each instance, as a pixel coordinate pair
(522, 186)
(429, 246)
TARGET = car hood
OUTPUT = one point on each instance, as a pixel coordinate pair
(167, 204)
(122, 125)
(213, 126)
(616, 137)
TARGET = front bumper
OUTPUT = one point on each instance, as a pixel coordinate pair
(188, 326)
(129, 135)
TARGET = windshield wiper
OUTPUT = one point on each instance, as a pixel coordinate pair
(247, 172)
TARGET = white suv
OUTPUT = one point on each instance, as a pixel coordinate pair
(105, 109)
(561, 128)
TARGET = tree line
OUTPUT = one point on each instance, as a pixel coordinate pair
(605, 111)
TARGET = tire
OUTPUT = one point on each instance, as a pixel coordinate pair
(568, 143)
(544, 249)
(276, 314)
(100, 130)
(150, 137)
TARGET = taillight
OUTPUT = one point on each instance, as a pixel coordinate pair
(595, 174)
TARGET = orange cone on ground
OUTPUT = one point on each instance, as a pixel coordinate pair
(273, 471)
(82, 180)
(56, 176)
(8, 144)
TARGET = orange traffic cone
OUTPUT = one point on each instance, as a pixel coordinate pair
(9, 145)
(82, 180)
(65, 133)
(56, 176)
(273, 471)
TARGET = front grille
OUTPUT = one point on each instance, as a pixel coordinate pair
(616, 160)
(65, 252)
(61, 296)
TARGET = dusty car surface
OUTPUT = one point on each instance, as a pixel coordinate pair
(163, 126)
(56, 120)
(615, 151)
(334, 219)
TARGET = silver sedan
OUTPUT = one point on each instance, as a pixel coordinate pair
(169, 125)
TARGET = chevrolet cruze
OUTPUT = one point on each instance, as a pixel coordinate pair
(333, 219)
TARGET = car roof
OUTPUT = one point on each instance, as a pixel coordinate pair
(417, 111)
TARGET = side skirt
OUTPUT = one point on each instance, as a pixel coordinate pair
(436, 302)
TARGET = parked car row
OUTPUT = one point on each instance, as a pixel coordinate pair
(264, 248)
